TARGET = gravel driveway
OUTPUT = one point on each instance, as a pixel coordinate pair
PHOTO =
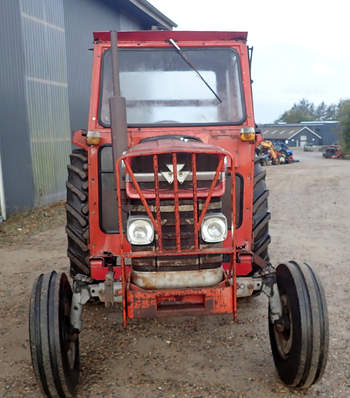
(198, 357)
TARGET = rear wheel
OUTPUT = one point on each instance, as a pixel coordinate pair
(53, 344)
(261, 214)
(77, 210)
(299, 341)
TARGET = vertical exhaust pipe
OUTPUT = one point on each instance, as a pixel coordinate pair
(117, 106)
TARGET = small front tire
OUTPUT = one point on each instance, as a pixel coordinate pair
(54, 345)
(299, 341)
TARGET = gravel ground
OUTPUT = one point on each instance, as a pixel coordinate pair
(194, 357)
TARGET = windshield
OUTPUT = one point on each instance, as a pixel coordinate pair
(161, 88)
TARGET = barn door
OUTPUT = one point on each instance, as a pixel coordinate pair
(303, 140)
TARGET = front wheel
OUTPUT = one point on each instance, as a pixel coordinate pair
(54, 345)
(299, 340)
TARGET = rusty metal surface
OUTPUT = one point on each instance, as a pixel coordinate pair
(177, 279)
(108, 289)
(178, 302)
(247, 285)
(220, 250)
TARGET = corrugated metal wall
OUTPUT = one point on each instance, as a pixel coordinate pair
(47, 96)
(82, 18)
(330, 132)
(14, 136)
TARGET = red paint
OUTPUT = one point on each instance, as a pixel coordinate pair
(195, 200)
(220, 140)
(176, 204)
(156, 188)
(163, 35)
(195, 301)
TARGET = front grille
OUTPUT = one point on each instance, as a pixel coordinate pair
(205, 162)
(171, 263)
(178, 207)
(206, 165)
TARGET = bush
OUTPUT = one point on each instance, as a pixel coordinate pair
(344, 119)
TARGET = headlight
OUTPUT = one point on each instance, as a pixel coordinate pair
(140, 230)
(214, 228)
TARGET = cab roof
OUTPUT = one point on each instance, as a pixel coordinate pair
(164, 35)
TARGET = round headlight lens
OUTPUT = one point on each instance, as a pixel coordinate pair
(214, 228)
(140, 231)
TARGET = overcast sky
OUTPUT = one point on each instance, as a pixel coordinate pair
(301, 47)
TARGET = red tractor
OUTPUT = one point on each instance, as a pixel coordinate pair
(167, 206)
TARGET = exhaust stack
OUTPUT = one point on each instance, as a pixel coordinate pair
(117, 106)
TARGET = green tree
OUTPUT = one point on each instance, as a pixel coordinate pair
(331, 112)
(305, 110)
(302, 111)
(326, 112)
(321, 111)
(344, 119)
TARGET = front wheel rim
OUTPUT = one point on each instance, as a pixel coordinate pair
(283, 330)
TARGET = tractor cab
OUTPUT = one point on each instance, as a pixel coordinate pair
(189, 131)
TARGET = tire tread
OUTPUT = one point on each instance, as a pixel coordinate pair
(261, 214)
(45, 318)
(77, 211)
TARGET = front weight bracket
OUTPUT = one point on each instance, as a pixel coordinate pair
(81, 295)
(270, 288)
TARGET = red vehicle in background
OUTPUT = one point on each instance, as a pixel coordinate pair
(333, 152)
(167, 206)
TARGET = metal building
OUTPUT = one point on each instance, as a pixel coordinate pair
(293, 135)
(304, 133)
(45, 87)
(329, 130)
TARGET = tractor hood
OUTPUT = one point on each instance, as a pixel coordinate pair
(171, 158)
(163, 144)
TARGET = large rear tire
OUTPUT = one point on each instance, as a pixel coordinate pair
(299, 341)
(53, 344)
(77, 210)
(261, 214)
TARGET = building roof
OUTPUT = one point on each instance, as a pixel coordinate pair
(284, 132)
(147, 8)
(320, 122)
